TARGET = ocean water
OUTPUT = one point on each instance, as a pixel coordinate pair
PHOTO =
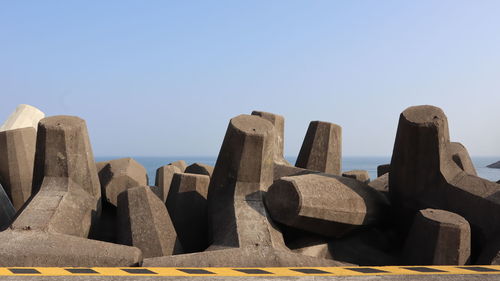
(348, 163)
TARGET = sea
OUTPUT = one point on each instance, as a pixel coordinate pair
(348, 163)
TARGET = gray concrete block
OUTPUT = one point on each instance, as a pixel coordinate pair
(324, 204)
(25, 116)
(200, 169)
(322, 148)
(118, 175)
(187, 206)
(143, 222)
(25, 248)
(383, 169)
(164, 177)
(359, 175)
(181, 164)
(438, 237)
(241, 231)
(278, 122)
(424, 174)
(17, 156)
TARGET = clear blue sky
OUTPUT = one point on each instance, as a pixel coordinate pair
(162, 78)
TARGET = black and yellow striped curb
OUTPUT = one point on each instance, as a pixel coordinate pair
(254, 271)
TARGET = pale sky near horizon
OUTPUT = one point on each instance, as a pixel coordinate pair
(163, 78)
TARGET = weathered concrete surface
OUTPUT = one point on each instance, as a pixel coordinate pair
(360, 175)
(187, 205)
(164, 177)
(324, 204)
(460, 156)
(281, 170)
(7, 211)
(322, 148)
(120, 174)
(424, 175)
(242, 233)
(383, 169)
(200, 169)
(438, 237)
(495, 165)
(63, 150)
(144, 223)
(25, 116)
(381, 184)
(181, 164)
(38, 248)
(278, 122)
(52, 228)
(17, 156)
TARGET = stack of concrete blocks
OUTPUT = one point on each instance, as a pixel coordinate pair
(241, 232)
(51, 229)
(144, 222)
(429, 171)
(360, 175)
(17, 153)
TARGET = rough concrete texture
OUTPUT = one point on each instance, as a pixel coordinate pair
(17, 156)
(143, 222)
(438, 237)
(63, 150)
(324, 204)
(118, 175)
(187, 206)
(25, 116)
(7, 211)
(322, 148)
(383, 169)
(181, 164)
(282, 170)
(491, 252)
(164, 177)
(460, 156)
(381, 183)
(278, 122)
(51, 229)
(242, 233)
(425, 175)
(38, 248)
(200, 169)
(360, 175)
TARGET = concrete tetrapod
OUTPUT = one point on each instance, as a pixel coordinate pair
(324, 204)
(61, 212)
(438, 237)
(360, 175)
(25, 116)
(383, 169)
(17, 156)
(187, 206)
(144, 223)
(164, 177)
(241, 231)
(200, 169)
(424, 174)
(278, 122)
(322, 148)
(118, 175)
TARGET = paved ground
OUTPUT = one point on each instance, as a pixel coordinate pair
(484, 277)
